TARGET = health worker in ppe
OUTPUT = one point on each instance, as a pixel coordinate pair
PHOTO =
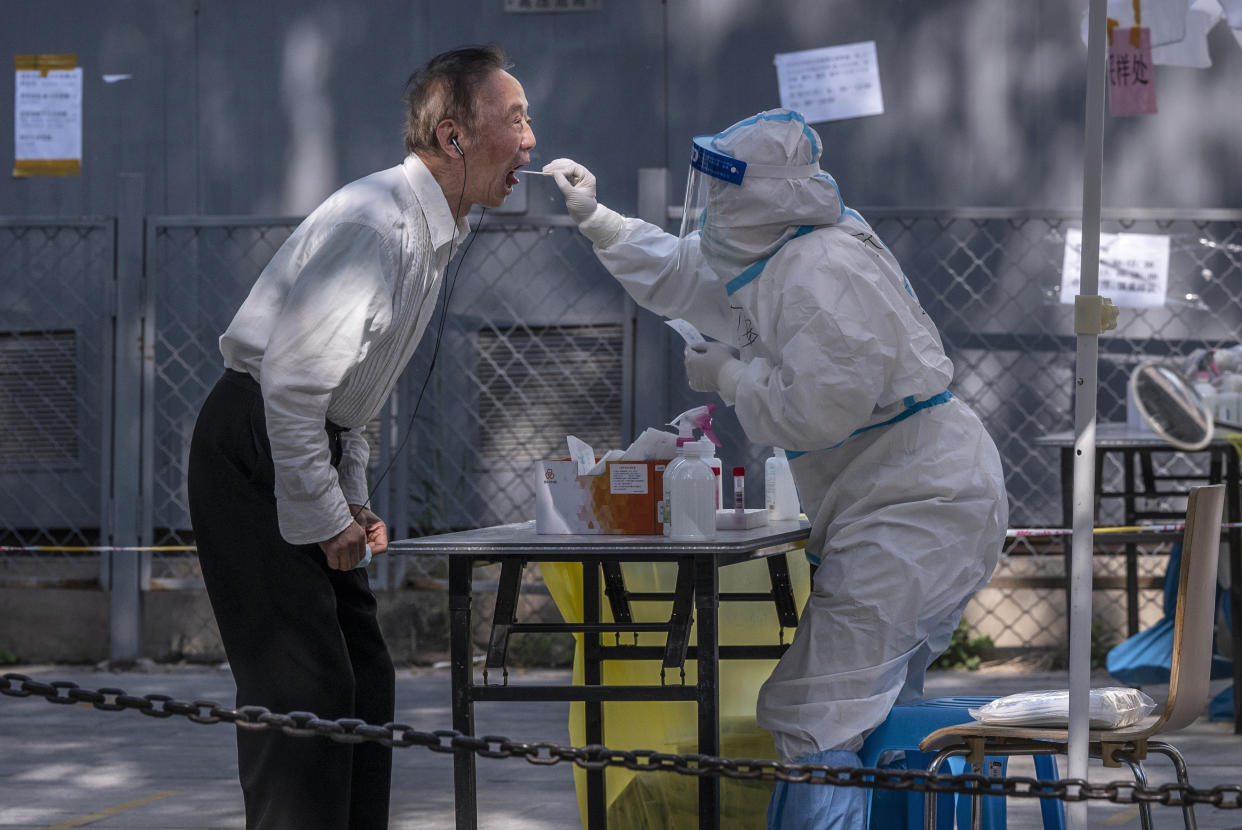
(839, 365)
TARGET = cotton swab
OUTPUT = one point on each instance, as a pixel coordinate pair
(535, 172)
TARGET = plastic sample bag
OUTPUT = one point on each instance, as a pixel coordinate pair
(1111, 707)
(638, 801)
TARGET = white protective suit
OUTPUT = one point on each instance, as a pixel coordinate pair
(844, 369)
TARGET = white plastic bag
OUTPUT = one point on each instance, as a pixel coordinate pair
(1110, 708)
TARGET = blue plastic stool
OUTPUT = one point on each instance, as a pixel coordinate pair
(907, 724)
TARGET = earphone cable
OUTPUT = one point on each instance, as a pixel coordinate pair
(448, 297)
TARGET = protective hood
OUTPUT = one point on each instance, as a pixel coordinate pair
(782, 183)
(751, 187)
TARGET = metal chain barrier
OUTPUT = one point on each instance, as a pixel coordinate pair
(597, 757)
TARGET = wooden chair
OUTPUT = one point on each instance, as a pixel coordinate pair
(1189, 675)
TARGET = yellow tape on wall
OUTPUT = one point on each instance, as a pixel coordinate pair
(46, 63)
(47, 167)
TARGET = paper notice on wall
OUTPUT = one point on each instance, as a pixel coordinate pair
(47, 116)
(831, 83)
(1134, 268)
(1131, 81)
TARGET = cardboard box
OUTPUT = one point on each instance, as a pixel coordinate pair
(624, 499)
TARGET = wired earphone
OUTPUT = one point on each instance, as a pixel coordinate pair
(435, 351)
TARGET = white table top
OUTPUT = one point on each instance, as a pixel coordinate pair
(521, 538)
(1123, 436)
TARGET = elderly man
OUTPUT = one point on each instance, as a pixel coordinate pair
(277, 478)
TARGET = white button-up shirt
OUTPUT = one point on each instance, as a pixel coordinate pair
(330, 325)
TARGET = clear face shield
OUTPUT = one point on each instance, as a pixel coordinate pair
(710, 172)
(734, 212)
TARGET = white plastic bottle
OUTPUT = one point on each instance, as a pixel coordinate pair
(692, 495)
(717, 470)
(666, 501)
(1206, 391)
(1203, 385)
(780, 492)
(1225, 404)
(700, 418)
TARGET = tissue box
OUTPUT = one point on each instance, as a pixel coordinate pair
(624, 499)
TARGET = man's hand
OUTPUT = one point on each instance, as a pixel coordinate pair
(346, 549)
(376, 530)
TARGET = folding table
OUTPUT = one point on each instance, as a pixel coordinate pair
(696, 594)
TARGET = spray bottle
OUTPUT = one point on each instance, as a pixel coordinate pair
(691, 494)
(700, 418)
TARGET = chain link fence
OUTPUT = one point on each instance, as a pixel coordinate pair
(992, 282)
(198, 272)
(56, 293)
(538, 344)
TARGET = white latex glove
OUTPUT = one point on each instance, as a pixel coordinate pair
(577, 185)
(711, 367)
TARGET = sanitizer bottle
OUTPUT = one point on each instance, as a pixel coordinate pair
(666, 500)
(700, 418)
(780, 492)
(692, 494)
(717, 470)
(1206, 391)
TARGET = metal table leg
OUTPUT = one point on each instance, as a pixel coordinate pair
(1067, 521)
(504, 616)
(680, 619)
(462, 678)
(1233, 514)
(614, 589)
(706, 604)
(782, 590)
(1132, 590)
(593, 675)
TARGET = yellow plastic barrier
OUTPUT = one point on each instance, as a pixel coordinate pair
(665, 799)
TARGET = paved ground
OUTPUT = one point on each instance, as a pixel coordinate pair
(73, 766)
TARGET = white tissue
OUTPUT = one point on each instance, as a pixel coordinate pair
(580, 453)
(653, 445)
(602, 464)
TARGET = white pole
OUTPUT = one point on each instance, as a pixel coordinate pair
(1081, 550)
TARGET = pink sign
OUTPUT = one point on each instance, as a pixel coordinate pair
(1131, 81)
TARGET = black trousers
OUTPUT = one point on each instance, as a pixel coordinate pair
(299, 635)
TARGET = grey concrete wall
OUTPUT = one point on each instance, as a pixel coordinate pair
(238, 107)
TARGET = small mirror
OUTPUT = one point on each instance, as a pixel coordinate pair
(1170, 406)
